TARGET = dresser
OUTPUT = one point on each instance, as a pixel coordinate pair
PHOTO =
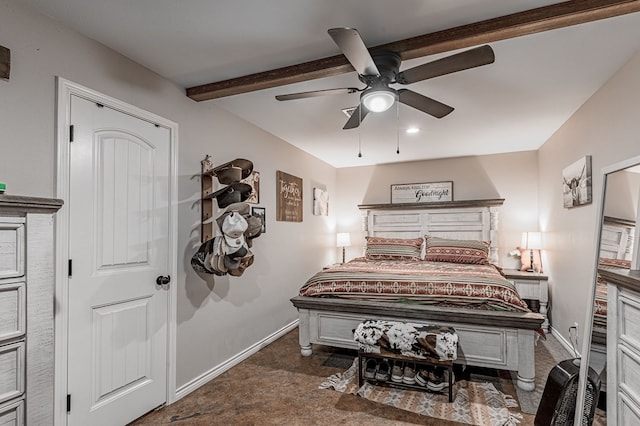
(623, 346)
(26, 309)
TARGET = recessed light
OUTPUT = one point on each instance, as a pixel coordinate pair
(412, 130)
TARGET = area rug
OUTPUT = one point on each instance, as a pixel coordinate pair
(473, 404)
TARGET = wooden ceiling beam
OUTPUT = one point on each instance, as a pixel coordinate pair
(528, 22)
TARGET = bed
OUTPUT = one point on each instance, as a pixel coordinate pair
(499, 336)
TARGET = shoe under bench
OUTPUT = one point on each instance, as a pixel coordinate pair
(389, 357)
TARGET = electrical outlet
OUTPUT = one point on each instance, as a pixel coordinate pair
(575, 327)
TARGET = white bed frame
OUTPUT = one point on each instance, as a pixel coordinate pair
(502, 340)
(617, 238)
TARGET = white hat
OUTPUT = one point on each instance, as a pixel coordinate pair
(233, 228)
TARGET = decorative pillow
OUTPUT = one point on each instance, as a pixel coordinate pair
(457, 251)
(379, 248)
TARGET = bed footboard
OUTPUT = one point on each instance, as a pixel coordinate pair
(304, 332)
(502, 340)
(526, 360)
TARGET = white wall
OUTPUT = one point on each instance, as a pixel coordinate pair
(622, 195)
(607, 128)
(509, 176)
(217, 318)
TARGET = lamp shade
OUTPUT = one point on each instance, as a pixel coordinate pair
(343, 239)
(531, 241)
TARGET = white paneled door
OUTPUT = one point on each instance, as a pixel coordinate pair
(118, 245)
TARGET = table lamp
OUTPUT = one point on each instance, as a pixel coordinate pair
(531, 241)
(343, 240)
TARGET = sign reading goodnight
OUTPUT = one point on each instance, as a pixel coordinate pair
(422, 192)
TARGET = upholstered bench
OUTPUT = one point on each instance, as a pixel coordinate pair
(385, 343)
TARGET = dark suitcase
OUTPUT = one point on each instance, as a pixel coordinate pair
(558, 403)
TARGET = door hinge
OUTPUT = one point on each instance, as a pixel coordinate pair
(68, 403)
(70, 267)
(71, 133)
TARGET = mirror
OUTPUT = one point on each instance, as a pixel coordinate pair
(615, 248)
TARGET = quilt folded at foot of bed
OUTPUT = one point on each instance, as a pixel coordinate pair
(421, 282)
(417, 341)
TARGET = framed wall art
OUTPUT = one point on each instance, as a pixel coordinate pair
(422, 192)
(576, 183)
(5, 62)
(288, 197)
(254, 181)
(320, 202)
(261, 212)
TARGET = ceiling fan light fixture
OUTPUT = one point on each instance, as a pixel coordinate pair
(379, 99)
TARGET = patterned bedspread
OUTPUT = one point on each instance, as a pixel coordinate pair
(421, 282)
(600, 300)
(600, 304)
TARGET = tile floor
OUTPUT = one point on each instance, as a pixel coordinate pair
(278, 386)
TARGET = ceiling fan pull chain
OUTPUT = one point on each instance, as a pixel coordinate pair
(359, 132)
(397, 128)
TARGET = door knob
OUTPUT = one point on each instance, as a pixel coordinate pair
(161, 280)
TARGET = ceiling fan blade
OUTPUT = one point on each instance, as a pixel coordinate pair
(352, 46)
(423, 103)
(314, 93)
(482, 55)
(356, 117)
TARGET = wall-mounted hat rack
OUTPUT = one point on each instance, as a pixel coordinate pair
(229, 252)
(206, 180)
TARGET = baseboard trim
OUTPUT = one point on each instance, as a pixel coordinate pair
(206, 377)
(564, 342)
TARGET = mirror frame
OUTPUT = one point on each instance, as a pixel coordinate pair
(588, 322)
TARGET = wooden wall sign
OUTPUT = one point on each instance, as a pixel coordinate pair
(5, 62)
(289, 197)
(422, 192)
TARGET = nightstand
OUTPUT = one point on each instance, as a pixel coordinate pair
(531, 286)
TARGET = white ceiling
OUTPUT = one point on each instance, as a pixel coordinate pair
(514, 104)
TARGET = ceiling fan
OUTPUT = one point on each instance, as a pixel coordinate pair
(379, 69)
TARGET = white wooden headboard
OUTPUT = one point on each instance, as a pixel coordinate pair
(468, 220)
(617, 238)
